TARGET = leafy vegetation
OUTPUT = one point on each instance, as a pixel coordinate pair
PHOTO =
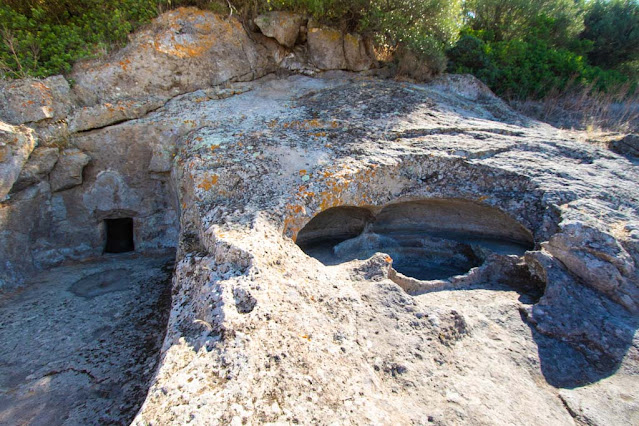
(613, 29)
(41, 38)
(528, 49)
(520, 48)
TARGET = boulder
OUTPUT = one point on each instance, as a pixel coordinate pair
(68, 170)
(32, 100)
(330, 49)
(40, 163)
(181, 51)
(16, 144)
(358, 52)
(628, 146)
(326, 48)
(282, 26)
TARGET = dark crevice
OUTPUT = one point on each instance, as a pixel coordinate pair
(119, 235)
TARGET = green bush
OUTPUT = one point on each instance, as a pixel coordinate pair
(419, 30)
(527, 68)
(613, 29)
(515, 19)
(47, 38)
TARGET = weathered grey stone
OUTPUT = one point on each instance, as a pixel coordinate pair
(282, 26)
(102, 115)
(629, 145)
(37, 168)
(68, 170)
(599, 260)
(16, 144)
(358, 53)
(326, 48)
(52, 134)
(31, 100)
(181, 51)
(98, 327)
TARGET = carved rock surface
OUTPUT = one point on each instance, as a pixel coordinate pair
(259, 331)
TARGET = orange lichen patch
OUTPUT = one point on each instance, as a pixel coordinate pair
(388, 259)
(334, 124)
(214, 147)
(180, 40)
(328, 33)
(208, 182)
(304, 124)
(124, 64)
(302, 172)
(483, 198)
(342, 185)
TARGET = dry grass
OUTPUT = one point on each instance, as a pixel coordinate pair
(587, 109)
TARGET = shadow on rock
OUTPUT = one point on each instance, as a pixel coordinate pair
(581, 335)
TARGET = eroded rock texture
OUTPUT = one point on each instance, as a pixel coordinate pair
(535, 231)
(261, 332)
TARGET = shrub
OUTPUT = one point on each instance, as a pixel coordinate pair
(613, 29)
(515, 19)
(47, 38)
(526, 68)
(41, 38)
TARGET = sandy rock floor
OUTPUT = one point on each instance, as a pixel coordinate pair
(80, 342)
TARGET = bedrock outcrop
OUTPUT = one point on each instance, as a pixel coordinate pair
(531, 318)
(261, 332)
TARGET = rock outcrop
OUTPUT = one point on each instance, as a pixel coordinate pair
(16, 145)
(282, 26)
(170, 133)
(285, 338)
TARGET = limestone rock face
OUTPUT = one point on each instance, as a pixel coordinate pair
(282, 26)
(31, 100)
(16, 144)
(68, 171)
(330, 49)
(261, 331)
(358, 53)
(40, 163)
(182, 51)
(326, 47)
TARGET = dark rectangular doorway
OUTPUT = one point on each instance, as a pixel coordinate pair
(119, 235)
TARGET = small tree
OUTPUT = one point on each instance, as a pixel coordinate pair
(613, 28)
(515, 19)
